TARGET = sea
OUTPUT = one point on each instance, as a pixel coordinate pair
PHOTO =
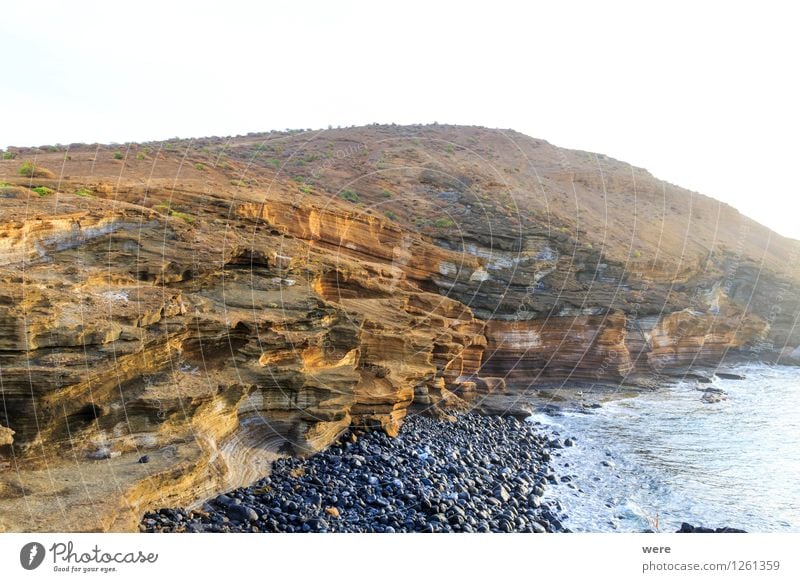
(656, 460)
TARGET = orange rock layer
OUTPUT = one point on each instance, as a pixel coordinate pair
(209, 329)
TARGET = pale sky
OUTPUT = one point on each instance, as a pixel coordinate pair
(704, 96)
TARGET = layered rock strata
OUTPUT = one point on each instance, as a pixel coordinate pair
(175, 321)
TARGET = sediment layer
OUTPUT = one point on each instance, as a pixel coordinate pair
(215, 305)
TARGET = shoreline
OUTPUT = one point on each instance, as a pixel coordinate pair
(652, 462)
(475, 473)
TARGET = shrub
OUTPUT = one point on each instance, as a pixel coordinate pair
(31, 170)
(349, 195)
(118, 155)
(386, 194)
(43, 190)
(9, 155)
(27, 169)
(390, 215)
(84, 193)
(444, 223)
(305, 189)
(140, 156)
(187, 218)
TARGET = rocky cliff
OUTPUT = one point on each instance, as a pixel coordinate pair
(176, 315)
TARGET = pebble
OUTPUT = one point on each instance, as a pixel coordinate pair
(477, 474)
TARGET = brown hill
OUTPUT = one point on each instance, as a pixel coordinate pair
(213, 303)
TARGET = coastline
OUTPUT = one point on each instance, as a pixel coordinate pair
(676, 455)
(469, 472)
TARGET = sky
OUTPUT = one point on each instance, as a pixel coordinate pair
(704, 96)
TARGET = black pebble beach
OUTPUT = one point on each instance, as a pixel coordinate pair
(477, 474)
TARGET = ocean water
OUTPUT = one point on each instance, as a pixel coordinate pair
(667, 457)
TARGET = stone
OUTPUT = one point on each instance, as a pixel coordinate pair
(502, 494)
(728, 375)
(6, 436)
(688, 528)
(241, 513)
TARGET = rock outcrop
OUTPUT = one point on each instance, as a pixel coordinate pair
(208, 306)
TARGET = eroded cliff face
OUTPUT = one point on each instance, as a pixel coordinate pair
(208, 306)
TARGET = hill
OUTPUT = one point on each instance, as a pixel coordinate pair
(211, 304)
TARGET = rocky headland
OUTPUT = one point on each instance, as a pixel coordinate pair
(217, 305)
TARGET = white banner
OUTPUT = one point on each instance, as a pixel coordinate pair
(349, 557)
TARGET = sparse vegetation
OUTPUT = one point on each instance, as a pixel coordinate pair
(141, 156)
(164, 207)
(31, 170)
(118, 155)
(84, 193)
(306, 189)
(43, 190)
(187, 218)
(9, 155)
(390, 215)
(350, 196)
(444, 223)
(386, 194)
(199, 166)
